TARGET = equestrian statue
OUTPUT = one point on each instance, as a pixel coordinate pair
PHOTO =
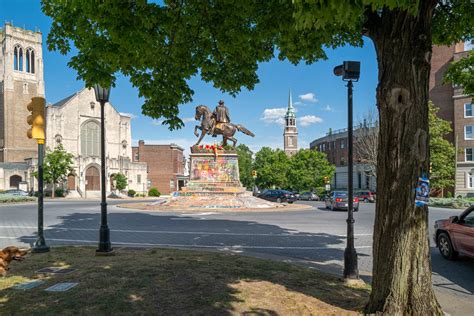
(217, 123)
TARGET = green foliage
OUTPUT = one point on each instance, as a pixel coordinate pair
(245, 166)
(449, 194)
(304, 171)
(10, 198)
(442, 152)
(450, 202)
(57, 164)
(131, 193)
(272, 168)
(59, 193)
(120, 181)
(308, 169)
(154, 192)
(161, 46)
(461, 72)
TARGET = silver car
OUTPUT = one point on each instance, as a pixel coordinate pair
(308, 196)
(338, 200)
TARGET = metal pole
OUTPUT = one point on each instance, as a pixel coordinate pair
(351, 270)
(104, 235)
(40, 243)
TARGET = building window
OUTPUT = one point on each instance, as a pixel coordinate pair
(343, 161)
(90, 133)
(18, 58)
(470, 179)
(58, 139)
(343, 143)
(468, 110)
(139, 178)
(468, 132)
(30, 60)
(468, 153)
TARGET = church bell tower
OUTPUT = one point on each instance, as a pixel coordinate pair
(290, 134)
(21, 78)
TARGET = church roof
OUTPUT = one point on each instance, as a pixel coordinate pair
(65, 100)
(291, 110)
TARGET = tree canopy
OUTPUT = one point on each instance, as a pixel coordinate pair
(307, 170)
(161, 47)
(58, 163)
(245, 166)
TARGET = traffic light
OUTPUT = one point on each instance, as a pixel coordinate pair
(326, 179)
(36, 120)
(254, 173)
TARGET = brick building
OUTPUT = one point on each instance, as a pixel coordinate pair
(334, 144)
(457, 108)
(165, 166)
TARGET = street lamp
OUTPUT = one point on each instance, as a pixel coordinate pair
(105, 247)
(350, 71)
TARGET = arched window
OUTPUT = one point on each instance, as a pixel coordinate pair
(20, 59)
(90, 133)
(15, 58)
(30, 60)
(15, 181)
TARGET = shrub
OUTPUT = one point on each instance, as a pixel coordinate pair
(59, 193)
(131, 193)
(9, 198)
(449, 194)
(154, 192)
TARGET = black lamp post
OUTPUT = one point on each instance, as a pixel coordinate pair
(350, 71)
(105, 247)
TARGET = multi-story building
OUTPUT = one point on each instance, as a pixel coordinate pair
(290, 134)
(165, 166)
(334, 144)
(73, 122)
(457, 108)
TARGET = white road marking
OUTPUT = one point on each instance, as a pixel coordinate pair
(182, 232)
(230, 247)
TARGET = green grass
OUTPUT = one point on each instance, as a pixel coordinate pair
(175, 282)
(10, 198)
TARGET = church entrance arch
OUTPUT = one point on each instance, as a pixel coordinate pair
(71, 182)
(92, 179)
(15, 181)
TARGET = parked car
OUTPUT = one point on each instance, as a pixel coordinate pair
(278, 196)
(337, 200)
(455, 235)
(365, 196)
(308, 196)
(17, 192)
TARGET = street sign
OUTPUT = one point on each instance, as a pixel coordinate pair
(328, 187)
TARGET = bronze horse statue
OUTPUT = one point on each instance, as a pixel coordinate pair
(227, 130)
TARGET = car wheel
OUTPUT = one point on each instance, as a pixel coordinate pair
(356, 209)
(278, 200)
(446, 247)
(366, 200)
(290, 202)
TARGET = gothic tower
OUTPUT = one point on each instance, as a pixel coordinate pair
(21, 78)
(290, 135)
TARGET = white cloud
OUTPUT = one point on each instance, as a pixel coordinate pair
(297, 103)
(309, 119)
(188, 119)
(328, 108)
(157, 122)
(131, 115)
(274, 115)
(308, 97)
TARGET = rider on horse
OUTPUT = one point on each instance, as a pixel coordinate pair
(220, 116)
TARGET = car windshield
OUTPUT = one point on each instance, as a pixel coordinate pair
(340, 194)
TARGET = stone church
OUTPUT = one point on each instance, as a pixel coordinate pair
(73, 122)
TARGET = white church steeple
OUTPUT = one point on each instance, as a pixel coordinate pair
(290, 134)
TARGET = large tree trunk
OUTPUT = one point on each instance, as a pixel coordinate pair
(402, 268)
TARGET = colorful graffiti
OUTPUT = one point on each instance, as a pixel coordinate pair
(222, 169)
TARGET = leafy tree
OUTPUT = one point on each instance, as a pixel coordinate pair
(272, 168)
(461, 72)
(308, 169)
(57, 164)
(245, 166)
(160, 47)
(442, 152)
(120, 181)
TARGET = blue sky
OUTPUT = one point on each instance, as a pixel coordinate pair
(319, 97)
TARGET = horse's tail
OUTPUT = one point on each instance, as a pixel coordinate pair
(242, 129)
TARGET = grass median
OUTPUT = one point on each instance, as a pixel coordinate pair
(174, 282)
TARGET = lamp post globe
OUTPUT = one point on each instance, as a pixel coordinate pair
(105, 246)
(350, 71)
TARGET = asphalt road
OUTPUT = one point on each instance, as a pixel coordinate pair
(313, 237)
